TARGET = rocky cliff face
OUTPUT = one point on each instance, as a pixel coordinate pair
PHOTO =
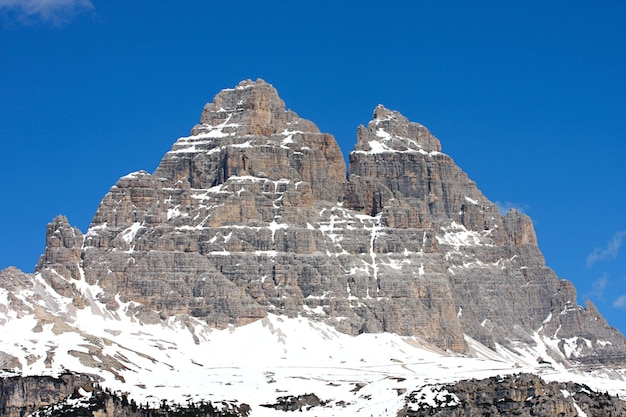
(516, 395)
(22, 396)
(254, 213)
(76, 395)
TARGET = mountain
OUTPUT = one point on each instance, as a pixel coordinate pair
(252, 256)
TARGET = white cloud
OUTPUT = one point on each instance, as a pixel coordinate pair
(598, 287)
(55, 12)
(609, 252)
(620, 302)
(504, 207)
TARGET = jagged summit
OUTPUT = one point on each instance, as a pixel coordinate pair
(253, 108)
(390, 131)
(247, 132)
(253, 214)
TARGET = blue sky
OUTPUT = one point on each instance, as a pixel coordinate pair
(529, 98)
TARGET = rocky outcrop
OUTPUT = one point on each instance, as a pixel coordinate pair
(519, 395)
(75, 395)
(20, 396)
(64, 245)
(296, 403)
(253, 213)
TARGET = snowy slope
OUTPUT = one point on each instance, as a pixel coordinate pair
(182, 359)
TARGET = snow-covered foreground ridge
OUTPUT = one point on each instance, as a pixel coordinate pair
(183, 360)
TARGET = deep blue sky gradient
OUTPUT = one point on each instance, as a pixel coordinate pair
(529, 98)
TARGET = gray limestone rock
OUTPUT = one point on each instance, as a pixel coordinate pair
(253, 213)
